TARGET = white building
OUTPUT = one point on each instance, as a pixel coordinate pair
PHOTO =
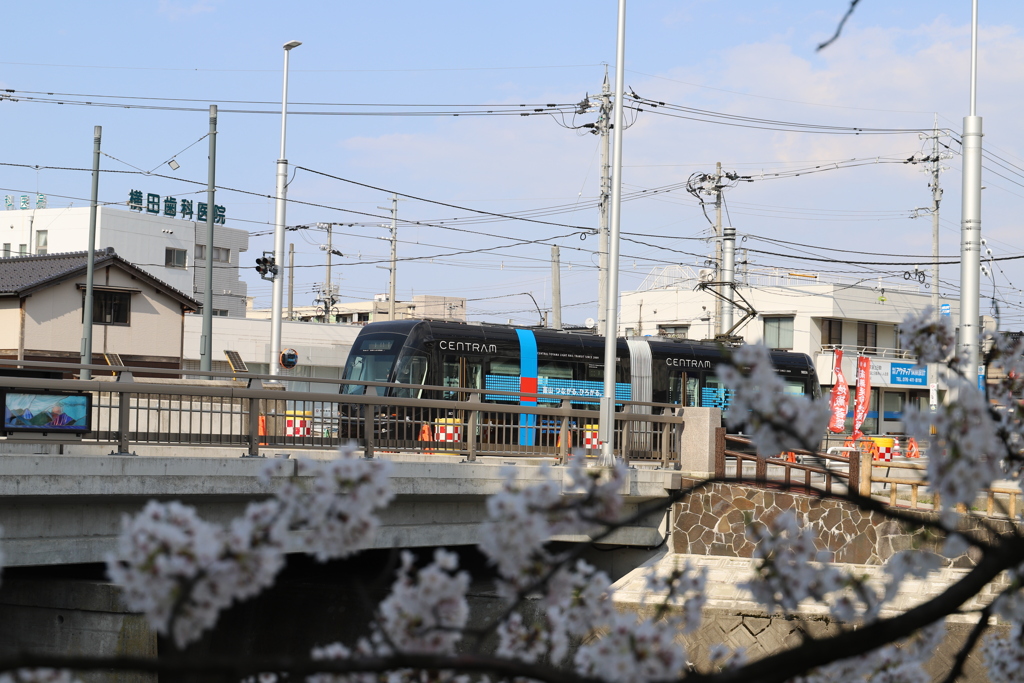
(802, 312)
(322, 349)
(171, 249)
(362, 312)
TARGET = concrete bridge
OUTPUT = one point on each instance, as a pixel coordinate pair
(66, 509)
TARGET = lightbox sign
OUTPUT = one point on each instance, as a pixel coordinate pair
(905, 374)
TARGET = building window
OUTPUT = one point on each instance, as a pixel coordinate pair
(867, 337)
(7, 250)
(175, 258)
(831, 332)
(778, 333)
(109, 308)
(22, 249)
(674, 331)
(41, 240)
(220, 254)
(364, 317)
(222, 312)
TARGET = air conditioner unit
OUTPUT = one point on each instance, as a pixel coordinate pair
(706, 275)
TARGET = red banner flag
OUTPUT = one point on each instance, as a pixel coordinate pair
(862, 397)
(840, 400)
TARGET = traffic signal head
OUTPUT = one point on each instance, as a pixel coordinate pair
(265, 265)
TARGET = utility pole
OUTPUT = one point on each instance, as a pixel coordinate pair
(728, 270)
(90, 265)
(206, 340)
(394, 253)
(604, 127)
(970, 221)
(328, 285)
(394, 256)
(936, 198)
(291, 281)
(606, 434)
(556, 290)
(718, 246)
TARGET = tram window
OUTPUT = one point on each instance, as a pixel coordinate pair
(554, 370)
(367, 368)
(682, 389)
(595, 373)
(451, 376)
(714, 394)
(504, 366)
(411, 370)
(795, 388)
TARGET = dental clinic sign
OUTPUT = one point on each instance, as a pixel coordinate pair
(171, 206)
(905, 374)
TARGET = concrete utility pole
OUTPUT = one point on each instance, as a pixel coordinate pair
(328, 284)
(556, 290)
(728, 270)
(90, 263)
(291, 281)
(206, 340)
(936, 198)
(604, 127)
(394, 256)
(394, 253)
(606, 433)
(718, 246)
(970, 220)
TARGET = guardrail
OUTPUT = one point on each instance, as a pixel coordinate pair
(256, 412)
(735, 457)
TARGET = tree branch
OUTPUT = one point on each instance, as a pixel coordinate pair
(839, 28)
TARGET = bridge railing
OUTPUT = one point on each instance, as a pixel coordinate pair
(257, 412)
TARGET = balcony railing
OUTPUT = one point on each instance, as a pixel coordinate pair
(876, 351)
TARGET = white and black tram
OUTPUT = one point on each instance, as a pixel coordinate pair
(560, 364)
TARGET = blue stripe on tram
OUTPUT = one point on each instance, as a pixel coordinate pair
(527, 382)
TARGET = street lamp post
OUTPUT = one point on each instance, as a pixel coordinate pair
(279, 222)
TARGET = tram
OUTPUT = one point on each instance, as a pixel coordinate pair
(560, 364)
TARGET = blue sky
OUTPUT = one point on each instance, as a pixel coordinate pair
(895, 66)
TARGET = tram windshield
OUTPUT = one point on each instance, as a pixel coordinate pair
(371, 360)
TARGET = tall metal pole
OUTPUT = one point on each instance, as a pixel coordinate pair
(606, 432)
(394, 256)
(206, 340)
(291, 281)
(728, 270)
(970, 221)
(606, 182)
(90, 258)
(279, 222)
(556, 289)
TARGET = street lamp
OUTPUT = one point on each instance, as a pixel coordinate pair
(282, 178)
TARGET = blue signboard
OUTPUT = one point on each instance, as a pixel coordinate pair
(906, 374)
(944, 309)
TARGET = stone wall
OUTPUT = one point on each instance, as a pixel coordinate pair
(712, 521)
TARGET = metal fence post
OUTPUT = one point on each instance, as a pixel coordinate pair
(254, 420)
(471, 436)
(369, 423)
(564, 435)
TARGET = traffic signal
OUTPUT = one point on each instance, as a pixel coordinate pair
(265, 265)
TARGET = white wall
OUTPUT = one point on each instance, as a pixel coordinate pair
(317, 345)
(139, 238)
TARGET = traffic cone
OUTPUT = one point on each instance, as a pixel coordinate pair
(425, 436)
